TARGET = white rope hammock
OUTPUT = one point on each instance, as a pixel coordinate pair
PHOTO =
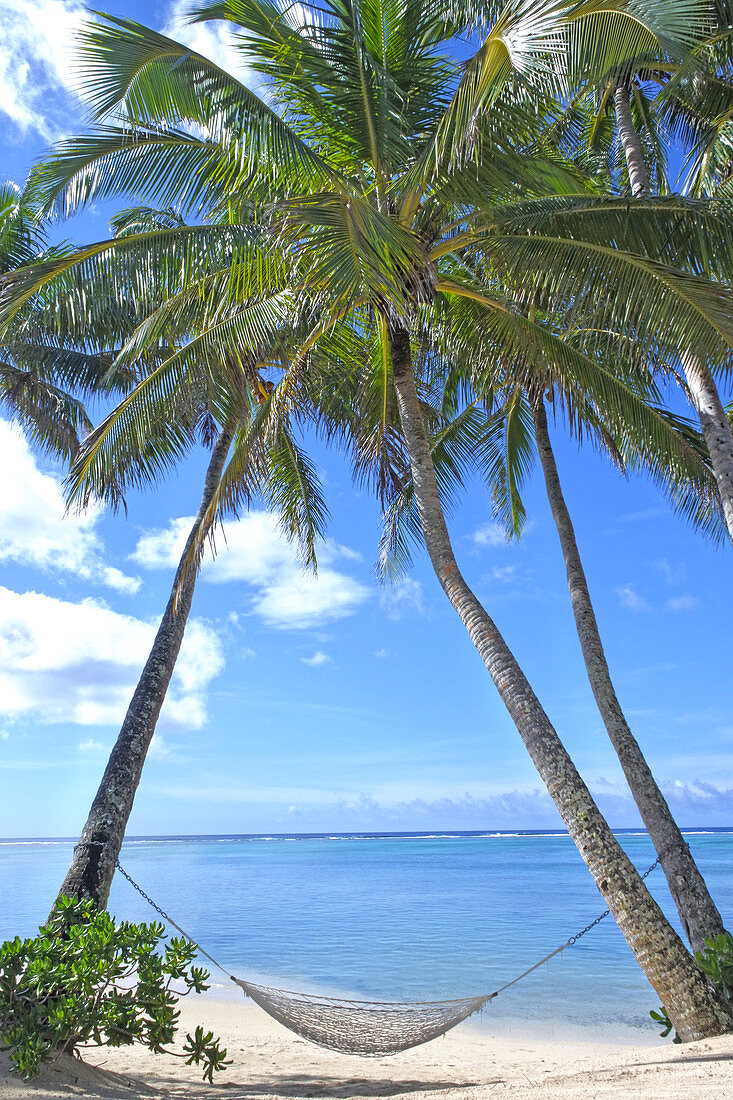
(363, 1027)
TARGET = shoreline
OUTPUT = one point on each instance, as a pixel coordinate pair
(269, 1061)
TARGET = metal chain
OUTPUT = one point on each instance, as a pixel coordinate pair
(156, 907)
(607, 913)
(142, 893)
(170, 920)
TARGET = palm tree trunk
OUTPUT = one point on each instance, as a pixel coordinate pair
(698, 913)
(694, 1007)
(630, 143)
(714, 424)
(715, 427)
(93, 864)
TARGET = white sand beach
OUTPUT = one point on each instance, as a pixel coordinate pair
(468, 1063)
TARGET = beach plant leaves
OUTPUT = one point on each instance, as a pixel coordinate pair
(86, 980)
(717, 962)
(662, 1018)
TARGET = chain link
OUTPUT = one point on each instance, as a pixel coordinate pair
(142, 893)
(607, 913)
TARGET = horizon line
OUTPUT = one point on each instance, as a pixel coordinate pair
(427, 833)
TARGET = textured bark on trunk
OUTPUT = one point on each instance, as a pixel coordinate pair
(93, 864)
(697, 910)
(694, 1007)
(715, 428)
(630, 143)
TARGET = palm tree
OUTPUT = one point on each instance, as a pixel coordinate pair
(56, 338)
(35, 363)
(694, 98)
(181, 397)
(698, 912)
(93, 864)
(501, 446)
(386, 168)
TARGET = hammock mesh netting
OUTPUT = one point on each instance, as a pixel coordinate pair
(361, 1027)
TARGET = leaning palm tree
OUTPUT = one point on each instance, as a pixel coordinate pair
(698, 912)
(387, 167)
(213, 403)
(682, 472)
(486, 415)
(631, 108)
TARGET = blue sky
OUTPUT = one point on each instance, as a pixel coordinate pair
(331, 704)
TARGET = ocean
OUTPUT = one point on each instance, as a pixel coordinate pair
(394, 917)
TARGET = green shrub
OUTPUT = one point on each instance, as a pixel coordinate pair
(716, 961)
(85, 980)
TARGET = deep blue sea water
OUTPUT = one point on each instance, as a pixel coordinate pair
(392, 917)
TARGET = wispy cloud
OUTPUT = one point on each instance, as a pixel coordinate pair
(490, 534)
(402, 597)
(685, 602)
(631, 599)
(504, 574)
(318, 659)
(694, 803)
(37, 76)
(673, 574)
(256, 552)
(215, 40)
(643, 515)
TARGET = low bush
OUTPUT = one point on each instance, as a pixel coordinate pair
(716, 961)
(86, 980)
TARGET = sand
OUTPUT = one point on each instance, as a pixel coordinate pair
(467, 1064)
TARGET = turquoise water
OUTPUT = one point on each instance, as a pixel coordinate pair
(393, 917)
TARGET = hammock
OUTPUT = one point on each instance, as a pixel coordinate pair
(364, 1027)
(361, 1027)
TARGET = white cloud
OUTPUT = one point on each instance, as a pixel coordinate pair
(92, 746)
(681, 603)
(382, 653)
(694, 804)
(256, 552)
(37, 62)
(631, 599)
(214, 40)
(158, 749)
(405, 595)
(673, 574)
(4, 735)
(79, 663)
(504, 574)
(248, 653)
(34, 529)
(39, 58)
(318, 659)
(162, 548)
(490, 534)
